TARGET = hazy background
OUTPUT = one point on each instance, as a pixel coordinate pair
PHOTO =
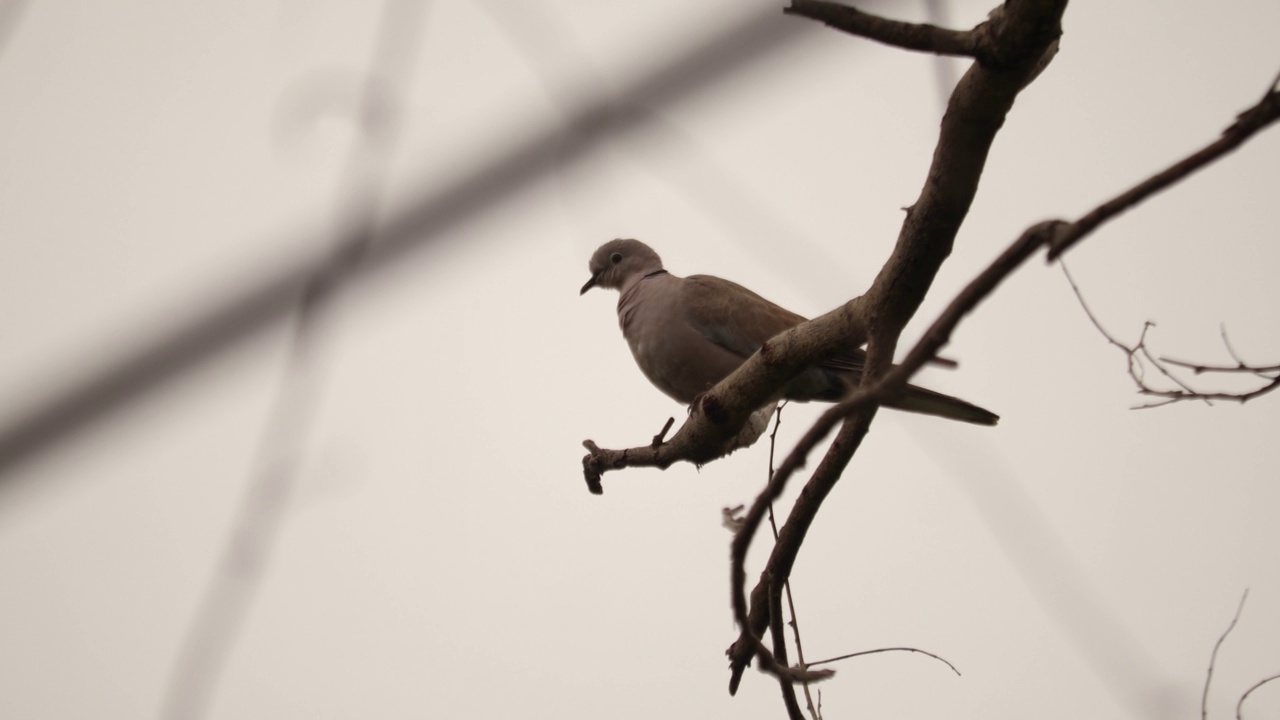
(438, 552)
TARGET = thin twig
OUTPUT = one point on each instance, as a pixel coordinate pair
(1213, 658)
(1247, 693)
(888, 649)
(786, 587)
(1136, 353)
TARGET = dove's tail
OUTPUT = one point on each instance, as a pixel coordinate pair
(920, 400)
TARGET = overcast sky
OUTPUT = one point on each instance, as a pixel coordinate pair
(437, 551)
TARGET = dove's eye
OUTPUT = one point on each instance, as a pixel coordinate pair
(615, 258)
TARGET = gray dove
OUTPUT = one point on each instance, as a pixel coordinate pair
(687, 334)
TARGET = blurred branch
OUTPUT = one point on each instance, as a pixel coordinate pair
(206, 647)
(11, 13)
(944, 73)
(734, 47)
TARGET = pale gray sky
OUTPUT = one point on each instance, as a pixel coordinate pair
(440, 553)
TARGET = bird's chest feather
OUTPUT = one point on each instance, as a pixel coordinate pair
(668, 350)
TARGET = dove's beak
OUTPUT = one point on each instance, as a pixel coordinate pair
(591, 283)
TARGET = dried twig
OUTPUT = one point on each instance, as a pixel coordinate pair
(1139, 358)
(786, 586)
(1213, 657)
(888, 649)
(1247, 693)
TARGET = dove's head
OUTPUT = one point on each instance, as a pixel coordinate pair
(618, 263)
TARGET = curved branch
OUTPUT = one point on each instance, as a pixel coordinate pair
(1247, 693)
(1213, 657)
(861, 653)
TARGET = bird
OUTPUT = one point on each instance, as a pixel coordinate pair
(689, 333)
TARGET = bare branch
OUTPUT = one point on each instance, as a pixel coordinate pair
(786, 586)
(1139, 357)
(1048, 233)
(905, 35)
(779, 637)
(976, 112)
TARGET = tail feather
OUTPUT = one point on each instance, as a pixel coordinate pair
(928, 402)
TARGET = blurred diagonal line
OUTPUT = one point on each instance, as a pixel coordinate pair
(1026, 536)
(206, 647)
(11, 13)
(1056, 579)
(540, 32)
(732, 48)
(944, 67)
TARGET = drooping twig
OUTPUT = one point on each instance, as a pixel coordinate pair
(786, 586)
(1213, 656)
(838, 658)
(1139, 357)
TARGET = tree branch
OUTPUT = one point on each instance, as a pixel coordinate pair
(1213, 656)
(1139, 358)
(974, 115)
(1045, 234)
(905, 35)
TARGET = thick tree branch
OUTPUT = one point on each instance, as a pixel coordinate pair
(1045, 234)
(975, 114)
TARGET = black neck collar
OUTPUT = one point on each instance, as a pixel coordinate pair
(655, 273)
